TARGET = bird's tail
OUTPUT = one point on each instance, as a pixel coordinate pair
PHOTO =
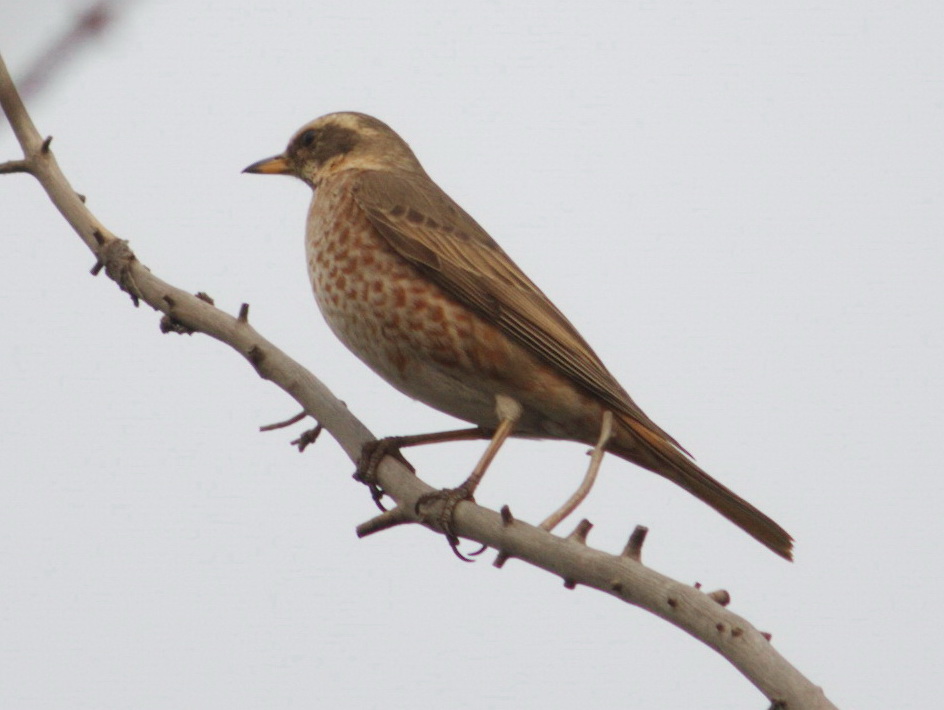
(636, 442)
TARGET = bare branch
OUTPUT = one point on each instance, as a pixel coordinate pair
(88, 25)
(621, 576)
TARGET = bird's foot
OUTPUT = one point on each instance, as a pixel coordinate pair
(448, 498)
(372, 453)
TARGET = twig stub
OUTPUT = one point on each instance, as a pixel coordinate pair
(580, 532)
(720, 596)
(500, 559)
(387, 519)
(308, 437)
(633, 549)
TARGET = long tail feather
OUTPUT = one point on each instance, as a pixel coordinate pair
(646, 448)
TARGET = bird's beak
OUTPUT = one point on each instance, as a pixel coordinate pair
(276, 165)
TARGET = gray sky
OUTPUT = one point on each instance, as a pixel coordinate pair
(740, 207)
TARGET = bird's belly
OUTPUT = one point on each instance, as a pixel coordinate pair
(412, 342)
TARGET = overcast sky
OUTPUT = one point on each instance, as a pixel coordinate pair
(739, 204)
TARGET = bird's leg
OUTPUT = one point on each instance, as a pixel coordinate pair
(596, 458)
(374, 451)
(509, 412)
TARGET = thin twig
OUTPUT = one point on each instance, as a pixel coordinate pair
(288, 422)
(14, 166)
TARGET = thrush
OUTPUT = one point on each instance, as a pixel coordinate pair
(414, 287)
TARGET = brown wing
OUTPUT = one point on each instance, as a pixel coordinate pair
(424, 225)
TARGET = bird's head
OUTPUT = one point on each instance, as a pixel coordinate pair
(337, 142)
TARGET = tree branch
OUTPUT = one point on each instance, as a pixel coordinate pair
(89, 24)
(622, 576)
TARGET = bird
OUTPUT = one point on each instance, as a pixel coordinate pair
(420, 292)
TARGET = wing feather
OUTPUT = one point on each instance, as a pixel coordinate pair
(440, 239)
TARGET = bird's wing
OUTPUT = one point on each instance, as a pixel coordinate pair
(439, 238)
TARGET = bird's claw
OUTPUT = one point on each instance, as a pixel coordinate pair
(372, 453)
(449, 498)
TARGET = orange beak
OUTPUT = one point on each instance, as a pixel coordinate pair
(276, 165)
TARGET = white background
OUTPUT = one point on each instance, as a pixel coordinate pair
(740, 206)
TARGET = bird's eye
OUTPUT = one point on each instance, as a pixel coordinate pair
(307, 138)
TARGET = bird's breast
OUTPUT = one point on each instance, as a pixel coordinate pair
(399, 323)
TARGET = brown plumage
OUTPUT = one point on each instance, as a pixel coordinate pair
(420, 292)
